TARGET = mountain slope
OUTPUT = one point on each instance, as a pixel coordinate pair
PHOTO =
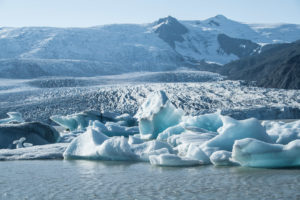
(166, 44)
(277, 67)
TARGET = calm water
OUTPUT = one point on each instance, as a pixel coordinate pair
(118, 180)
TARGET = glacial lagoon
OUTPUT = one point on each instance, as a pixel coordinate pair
(64, 179)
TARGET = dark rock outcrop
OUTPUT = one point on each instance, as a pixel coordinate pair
(170, 30)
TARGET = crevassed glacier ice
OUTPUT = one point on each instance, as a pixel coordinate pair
(254, 153)
(234, 130)
(35, 133)
(172, 160)
(282, 133)
(222, 158)
(13, 117)
(156, 114)
(85, 145)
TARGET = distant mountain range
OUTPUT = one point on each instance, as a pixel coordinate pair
(165, 44)
(278, 67)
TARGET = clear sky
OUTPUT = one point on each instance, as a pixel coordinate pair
(84, 13)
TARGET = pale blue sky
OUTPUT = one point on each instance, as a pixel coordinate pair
(84, 13)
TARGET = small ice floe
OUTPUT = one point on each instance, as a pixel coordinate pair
(20, 143)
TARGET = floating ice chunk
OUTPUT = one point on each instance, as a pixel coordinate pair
(210, 122)
(189, 137)
(68, 137)
(173, 130)
(48, 151)
(234, 130)
(20, 143)
(222, 158)
(154, 147)
(84, 146)
(283, 133)
(77, 120)
(254, 153)
(114, 129)
(156, 114)
(13, 117)
(135, 139)
(116, 148)
(172, 160)
(202, 123)
(80, 121)
(195, 152)
(35, 133)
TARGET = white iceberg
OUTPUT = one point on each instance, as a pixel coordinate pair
(172, 160)
(38, 152)
(195, 152)
(282, 133)
(156, 114)
(116, 148)
(202, 123)
(20, 143)
(222, 158)
(13, 117)
(154, 147)
(85, 145)
(233, 130)
(254, 153)
(114, 129)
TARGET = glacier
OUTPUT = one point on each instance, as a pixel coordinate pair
(163, 135)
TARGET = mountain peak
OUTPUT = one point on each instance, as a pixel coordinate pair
(168, 20)
(170, 30)
(221, 17)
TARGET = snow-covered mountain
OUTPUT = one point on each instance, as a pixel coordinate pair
(166, 44)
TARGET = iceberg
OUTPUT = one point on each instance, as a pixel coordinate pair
(156, 114)
(35, 133)
(233, 130)
(114, 129)
(38, 152)
(117, 149)
(282, 133)
(254, 153)
(76, 121)
(222, 158)
(172, 160)
(20, 143)
(195, 152)
(13, 117)
(154, 147)
(84, 146)
(202, 123)
(80, 121)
